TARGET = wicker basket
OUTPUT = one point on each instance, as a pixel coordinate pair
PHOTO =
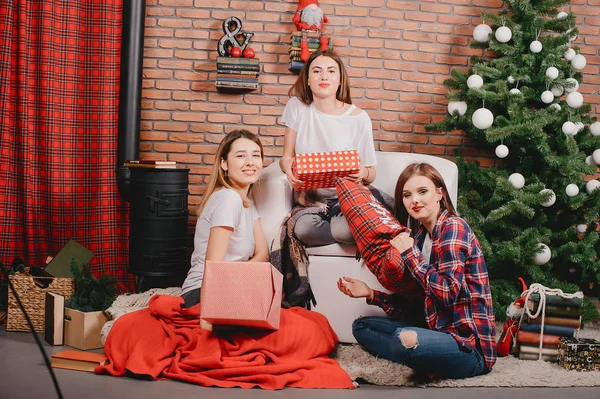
(33, 299)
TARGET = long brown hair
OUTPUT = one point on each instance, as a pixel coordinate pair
(218, 179)
(420, 169)
(301, 89)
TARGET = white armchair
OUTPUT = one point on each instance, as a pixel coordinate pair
(274, 199)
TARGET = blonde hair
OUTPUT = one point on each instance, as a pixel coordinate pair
(218, 179)
(301, 89)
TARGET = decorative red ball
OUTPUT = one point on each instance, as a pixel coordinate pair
(236, 52)
(249, 52)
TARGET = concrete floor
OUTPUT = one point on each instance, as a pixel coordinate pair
(24, 375)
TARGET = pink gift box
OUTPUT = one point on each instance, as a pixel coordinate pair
(319, 169)
(241, 294)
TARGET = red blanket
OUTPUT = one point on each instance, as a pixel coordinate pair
(166, 341)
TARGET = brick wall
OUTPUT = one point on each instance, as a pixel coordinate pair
(398, 53)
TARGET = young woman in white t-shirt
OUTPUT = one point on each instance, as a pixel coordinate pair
(320, 117)
(228, 228)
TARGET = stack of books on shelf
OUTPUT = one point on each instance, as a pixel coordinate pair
(146, 163)
(562, 319)
(314, 43)
(237, 73)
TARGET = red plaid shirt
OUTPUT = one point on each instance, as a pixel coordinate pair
(458, 300)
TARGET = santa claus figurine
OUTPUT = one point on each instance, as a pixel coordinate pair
(309, 16)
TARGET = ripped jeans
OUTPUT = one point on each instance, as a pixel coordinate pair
(432, 351)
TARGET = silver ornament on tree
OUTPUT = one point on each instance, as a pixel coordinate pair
(570, 54)
(517, 180)
(571, 85)
(547, 97)
(596, 156)
(568, 128)
(589, 160)
(592, 186)
(554, 107)
(578, 62)
(511, 80)
(575, 99)
(595, 129)
(552, 73)
(514, 91)
(535, 46)
(572, 190)
(551, 197)
(482, 118)
(457, 106)
(482, 32)
(475, 82)
(543, 254)
(562, 15)
(579, 126)
(581, 228)
(503, 34)
(502, 151)
(557, 90)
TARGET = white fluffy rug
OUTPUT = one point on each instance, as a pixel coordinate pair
(359, 364)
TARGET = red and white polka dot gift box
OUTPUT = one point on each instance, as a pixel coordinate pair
(319, 169)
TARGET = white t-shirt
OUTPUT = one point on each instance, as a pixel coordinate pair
(224, 208)
(318, 132)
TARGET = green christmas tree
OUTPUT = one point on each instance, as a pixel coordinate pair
(91, 294)
(535, 212)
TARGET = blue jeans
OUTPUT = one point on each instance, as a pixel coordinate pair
(432, 351)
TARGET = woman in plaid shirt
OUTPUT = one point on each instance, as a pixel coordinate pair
(449, 331)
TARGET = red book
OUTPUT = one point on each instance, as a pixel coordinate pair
(531, 338)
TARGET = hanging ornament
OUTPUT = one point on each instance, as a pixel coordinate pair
(582, 228)
(482, 32)
(503, 34)
(547, 97)
(535, 46)
(571, 85)
(592, 185)
(596, 156)
(562, 15)
(475, 82)
(482, 118)
(555, 107)
(551, 199)
(517, 180)
(578, 62)
(575, 99)
(457, 106)
(570, 54)
(579, 126)
(557, 90)
(572, 190)
(543, 255)
(501, 151)
(589, 160)
(595, 129)
(515, 91)
(552, 73)
(568, 128)
(511, 80)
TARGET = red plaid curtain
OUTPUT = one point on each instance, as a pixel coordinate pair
(59, 87)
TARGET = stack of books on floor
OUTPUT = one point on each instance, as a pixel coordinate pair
(237, 73)
(314, 43)
(146, 163)
(563, 319)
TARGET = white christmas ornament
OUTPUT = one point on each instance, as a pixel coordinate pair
(458, 106)
(481, 33)
(517, 180)
(592, 186)
(503, 34)
(552, 72)
(555, 107)
(562, 15)
(482, 118)
(501, 151)
(572, 190)
(575, 99)
(542, 257)
(515, 91)
(596, 156)
(547, 97)
(589, 160)
(570, 54)
(568, 128)
(535, 46)
(551, 200)
(581, 228)
(579, 126)
(595, 129)
(573, 83)
(557, 90)
(578, 62)
(475, 82)
(511, 80)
